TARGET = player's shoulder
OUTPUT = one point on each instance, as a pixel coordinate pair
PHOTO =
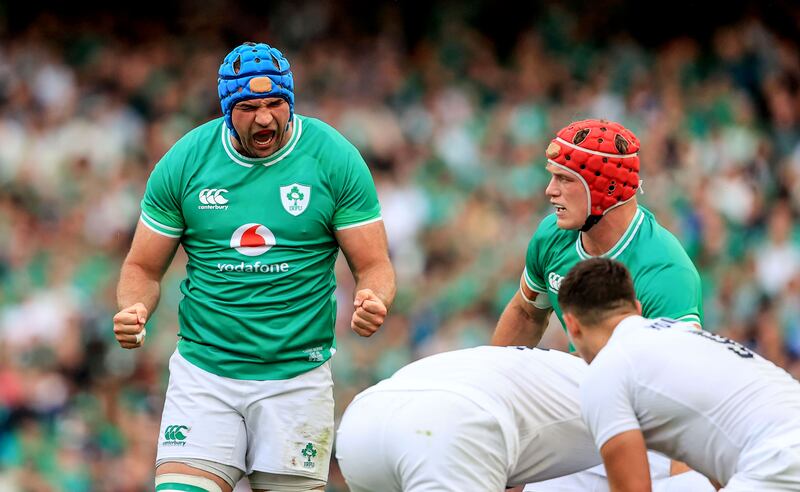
(504, 353)
(322, 135)
(642, 341)
(659, 237)
(659, 246)
(561, 362)
(187, 151)
(208, 132)
(629, 338)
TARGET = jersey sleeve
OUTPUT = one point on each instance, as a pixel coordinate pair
(357, 201)
(671, 291)
(533, 274)
(161, 204)
(607, 399)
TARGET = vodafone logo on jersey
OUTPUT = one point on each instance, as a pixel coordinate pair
(252, 239)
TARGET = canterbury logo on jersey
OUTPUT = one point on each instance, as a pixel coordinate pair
(554, 281)
(175, 435)
(213, 198)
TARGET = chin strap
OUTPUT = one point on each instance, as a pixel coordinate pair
(590, 222)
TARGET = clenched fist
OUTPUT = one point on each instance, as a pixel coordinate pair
(369, 314)
(129, 326)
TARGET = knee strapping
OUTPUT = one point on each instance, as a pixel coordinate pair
(180, 482)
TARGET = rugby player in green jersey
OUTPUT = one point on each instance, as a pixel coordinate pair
(595, 175)
(594, 167)
(261, 199)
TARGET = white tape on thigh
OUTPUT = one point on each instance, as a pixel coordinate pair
(171, 482)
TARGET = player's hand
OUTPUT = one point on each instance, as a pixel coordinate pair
(370, 311)
(129, 326)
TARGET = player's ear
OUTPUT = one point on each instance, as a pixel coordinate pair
(572, 325)
(638, 307)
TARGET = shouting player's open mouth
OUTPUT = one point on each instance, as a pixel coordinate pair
(560, 210)
(264, 138)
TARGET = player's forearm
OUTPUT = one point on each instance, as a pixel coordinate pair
(625, 459)
(625, 485)
(628, 477)
(136, 284)
(380, 279)
(519, 326)
(513, 329)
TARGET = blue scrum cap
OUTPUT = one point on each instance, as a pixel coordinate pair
(253, 71)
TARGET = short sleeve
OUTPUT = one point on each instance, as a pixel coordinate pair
(606, 398)
(161, 204)
(357, 201)
(534, 268)
(670, 291)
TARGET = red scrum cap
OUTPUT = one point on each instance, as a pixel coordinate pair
(604, 155)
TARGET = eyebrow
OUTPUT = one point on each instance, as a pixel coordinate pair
(254, 103)
(561, 173)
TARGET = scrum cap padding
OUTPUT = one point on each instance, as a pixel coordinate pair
(604, 155)
(253, 71)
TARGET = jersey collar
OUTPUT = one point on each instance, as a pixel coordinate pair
(623, 242)
(278, 156)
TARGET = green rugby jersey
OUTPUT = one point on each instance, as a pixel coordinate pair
(665, 279)
(259, 235)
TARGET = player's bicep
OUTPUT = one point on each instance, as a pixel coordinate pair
(536, 298)
(364, 246)
(151, 251)
(625, 459)
(536, 315)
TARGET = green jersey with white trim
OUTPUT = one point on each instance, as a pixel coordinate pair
(259, 235)
(665, 279)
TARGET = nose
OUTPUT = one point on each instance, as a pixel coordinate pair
(264, 116)
(552, 188)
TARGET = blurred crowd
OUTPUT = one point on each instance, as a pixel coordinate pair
(454, 129)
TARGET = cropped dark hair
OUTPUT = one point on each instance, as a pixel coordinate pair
(595, 289)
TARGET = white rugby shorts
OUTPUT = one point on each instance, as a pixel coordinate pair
(773, 465)
(420, 440)
(277, 426)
